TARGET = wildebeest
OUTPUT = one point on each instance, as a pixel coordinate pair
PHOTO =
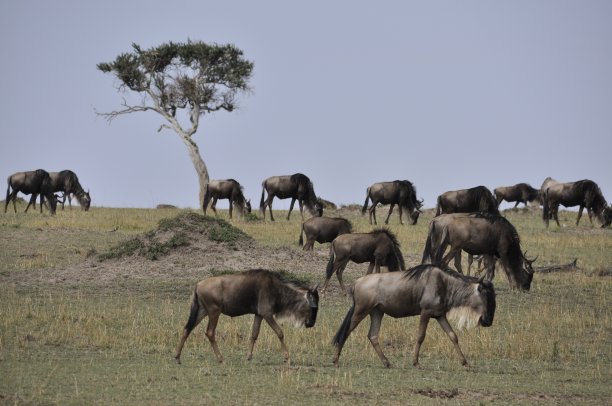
(400, 192)
(67, 181)
(379, 247)
(265, 294)
(226, 189)
(519, 193)
(584, 193)
(36, 182)
(297, 187)
(479, 233)
(475, 199)
(322, 230)
(424, 290)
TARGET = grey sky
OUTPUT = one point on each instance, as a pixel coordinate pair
(447, 94)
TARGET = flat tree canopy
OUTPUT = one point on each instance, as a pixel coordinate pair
(193, 77)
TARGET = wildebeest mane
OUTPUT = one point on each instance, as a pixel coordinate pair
(279, 277)
(396, 246)
(417, 272)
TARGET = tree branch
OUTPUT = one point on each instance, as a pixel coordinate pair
(128, 109)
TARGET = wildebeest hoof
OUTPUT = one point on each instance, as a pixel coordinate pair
(387, 364)
(178, 360)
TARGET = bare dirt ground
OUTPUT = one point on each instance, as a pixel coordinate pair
(199, 258)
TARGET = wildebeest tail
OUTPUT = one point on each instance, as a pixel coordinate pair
(438, 206)
(301, 241)
(365, 205)
(438, 253)
(343, 332)
(193, 313)
(263, 191)
(8, 189)
(545, 209)
(330, 264)
(427, 251)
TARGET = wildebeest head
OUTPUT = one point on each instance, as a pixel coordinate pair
(247, 205)
(319, 207)
(607, 217)
(477, 308)
(485, 302)
(84, 200)
(528, 269)
(312, 297)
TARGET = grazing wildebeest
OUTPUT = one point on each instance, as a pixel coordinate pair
(322, 230)
(36, 182)
(519, 193)
(478, 198)
(400, 192)
(226, 189)
(425, 291)
(297, 187)
(265, 294)
(584, 193)
(378, 247)
(67, 182)
(476, 234)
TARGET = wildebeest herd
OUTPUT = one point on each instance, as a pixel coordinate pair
(46, 184)
(465, 220)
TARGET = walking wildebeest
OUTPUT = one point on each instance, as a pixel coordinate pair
(426, 291)
(584, 193)
(400, 192)
(226, 189)
(36, 182)
(479, 233)
(297, 187)
(67, 182)
(378, 247)
(265, 294)
(519, 193)
(322, 230)
(478, 198)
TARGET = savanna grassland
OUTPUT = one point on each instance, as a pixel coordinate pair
(92, 305)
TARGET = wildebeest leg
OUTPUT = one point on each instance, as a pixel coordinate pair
(32, 202)
(579, 214)
(590, 213)
(391, 211)
(375, 321)
(231, 207)
(370, 268)
(458, 262)
(256, 324)
(12, 196)
(490, 269)
(453, 337)
(300, 203)
(272, 323)
(355, 319)
(373, 212)
(339, 275)
(196, 316)
(424, 320)
(213, 319)
(451, 254)
(291, 208)
(516, 204)
(213, 205)
(269, 204)
(555, 212)
(309, 245)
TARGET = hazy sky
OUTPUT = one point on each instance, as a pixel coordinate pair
(447, 94)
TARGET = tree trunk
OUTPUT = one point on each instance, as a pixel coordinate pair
(198, 164)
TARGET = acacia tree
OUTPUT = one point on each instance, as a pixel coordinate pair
(191, 79)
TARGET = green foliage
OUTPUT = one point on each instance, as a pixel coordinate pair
(123, 249)
(184, 75)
